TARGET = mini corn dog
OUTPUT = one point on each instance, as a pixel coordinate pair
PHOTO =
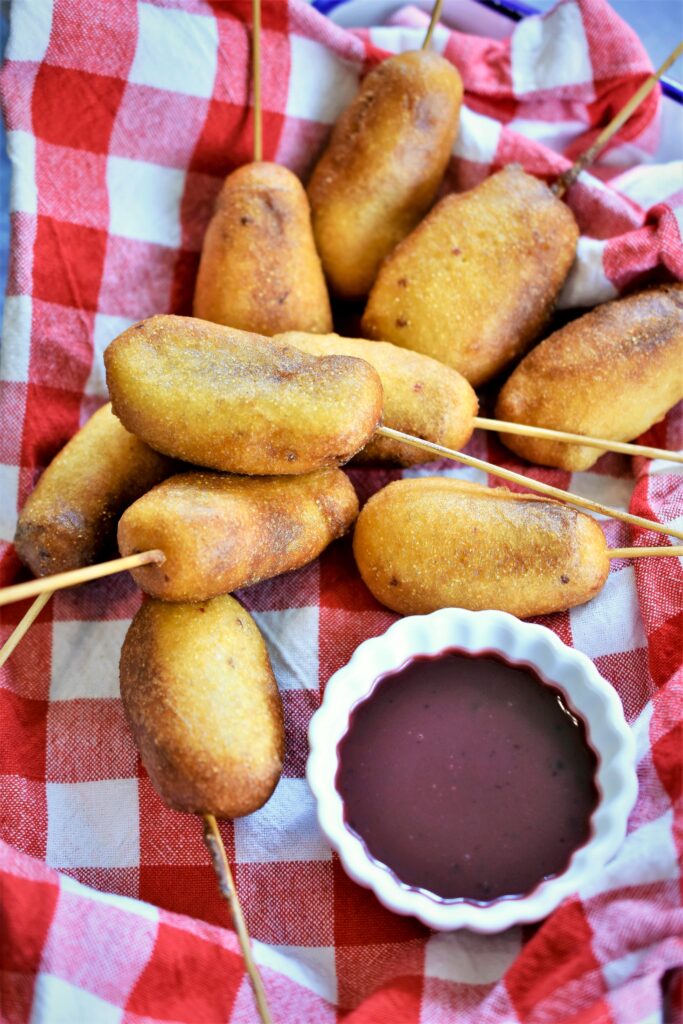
(203, 706)
(437, 542)
(221, 532)
(383, 165)
(612, 373)
(259, 268)
(69, 520)
(232, 400)
(476, 281)
(421, 397)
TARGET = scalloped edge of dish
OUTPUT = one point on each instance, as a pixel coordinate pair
(587, 694)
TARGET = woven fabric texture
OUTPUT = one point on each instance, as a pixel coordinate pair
(123, 120)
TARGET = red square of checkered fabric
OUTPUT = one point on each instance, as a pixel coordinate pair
(123, 120)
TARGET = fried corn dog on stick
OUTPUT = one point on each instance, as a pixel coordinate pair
(436, 542)
(259, 269)
(203, 706)
(383, 165)
(221, 532)
(235, 401)
(69, 520)
(475, 283)
(205, 712)
(421, 396)
(612, 373)
(431, 401)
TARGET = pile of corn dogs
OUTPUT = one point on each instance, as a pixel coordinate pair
(220, 453)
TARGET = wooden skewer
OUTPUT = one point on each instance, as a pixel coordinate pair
(525, 430)
(501, 426)
(439, 451)
(71, 579)
(646, 552)
(567, 179)
(436, 14)
(61, 580)
(22, 628)
(214, 842)
(256, 77)
(92, 572)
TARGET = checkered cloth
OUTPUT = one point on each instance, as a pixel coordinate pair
(123, 120)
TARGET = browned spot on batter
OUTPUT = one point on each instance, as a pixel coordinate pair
(281, 298)
(278, 212)
(240, 623)
(564, 579)
(393, 582)
(418, 386)
(246, 220)
(402, 282)
(456, 251)
(400, 322)
(359, 112)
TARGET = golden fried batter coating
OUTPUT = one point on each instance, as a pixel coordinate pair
(223, 532)
(237, 401)
(259, 269)
(383, 165)
(203, 706)
(421, 397)
(436, 542)
(69, 520)
(612, 373)
(476, 281)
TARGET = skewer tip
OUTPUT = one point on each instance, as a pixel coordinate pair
(433, 21)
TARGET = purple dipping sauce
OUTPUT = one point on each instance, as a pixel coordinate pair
(467, 776)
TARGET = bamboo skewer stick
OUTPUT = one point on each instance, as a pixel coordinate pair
(439, 451)
(212, 835)
(256, 77)
(436, 14)
(70, 579)
(501, 426)
(226, 884)
(646, 552)
(61, 580)
(622, 447)
(22, 628)
(567, 179)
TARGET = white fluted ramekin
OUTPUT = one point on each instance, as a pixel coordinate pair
(587, 694)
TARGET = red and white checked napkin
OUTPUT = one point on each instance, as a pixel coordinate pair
(123, 120)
